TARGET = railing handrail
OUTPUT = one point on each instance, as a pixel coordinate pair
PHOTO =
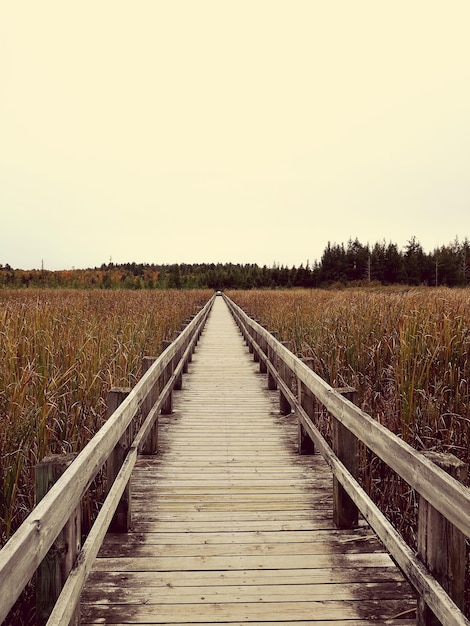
(443, 492)
(25, 550)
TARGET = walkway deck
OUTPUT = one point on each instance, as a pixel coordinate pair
(230, 524)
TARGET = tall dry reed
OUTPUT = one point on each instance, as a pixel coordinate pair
(406, 351)
(60, 352)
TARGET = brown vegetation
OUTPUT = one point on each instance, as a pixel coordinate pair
(406, 351)
(61, 351)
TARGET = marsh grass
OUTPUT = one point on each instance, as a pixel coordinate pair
(60, 353)
(406, 351)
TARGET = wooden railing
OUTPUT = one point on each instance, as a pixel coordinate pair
(437, 572)
(53, 527)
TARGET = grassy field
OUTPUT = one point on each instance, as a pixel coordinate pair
(406, 351)
(60, 353)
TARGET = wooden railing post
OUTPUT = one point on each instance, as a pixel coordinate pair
(190, 355)
(249, 342)
(122, 517)
(346, 448)
(441, 546)
(255, 337)
(151, 443)
(272, 384)
(200, 329)
(167, 407)
(55, 567)
(246, 335)
(179, 381)
(286, 375)
(307, 402)
(263, 368)
(187, 360)
(262, 344)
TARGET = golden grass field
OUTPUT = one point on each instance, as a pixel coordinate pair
(60, 353)
(406, 351)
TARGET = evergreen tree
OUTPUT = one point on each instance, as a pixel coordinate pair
(357, 259)
(334, 264)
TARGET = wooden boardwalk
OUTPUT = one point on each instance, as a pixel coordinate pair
(231, 525)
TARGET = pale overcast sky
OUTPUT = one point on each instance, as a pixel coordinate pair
(256, 131)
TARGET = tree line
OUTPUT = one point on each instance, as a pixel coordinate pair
(340, 264)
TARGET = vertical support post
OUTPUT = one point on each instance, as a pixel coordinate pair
(307, 402)
(262, 364)
(187, 358)
(246, 336)
(179, 381)
(255, 336)
(55, 567)
(167, 407)
(272, 384)
(286, 375)
(346, 448)
(249, 342)
(201, 327)
(441, 546)
(122, 517)
(151, 443)
(190, 356)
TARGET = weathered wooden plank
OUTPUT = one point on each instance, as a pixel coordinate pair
(230, 505)
(235, 461)
(141, 549)
(287, 523)
(240, 562)
(210, 578)
(390, 590)
(220, 613)
(240, 485)
(268, 474)
(229, 550)
(358, 537)
(240, 517)
(313, 506)
(220, 497)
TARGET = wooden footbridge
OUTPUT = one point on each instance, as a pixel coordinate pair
(230, 524)
(227, 506)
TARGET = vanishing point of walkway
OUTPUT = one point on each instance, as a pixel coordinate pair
(230, 524)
